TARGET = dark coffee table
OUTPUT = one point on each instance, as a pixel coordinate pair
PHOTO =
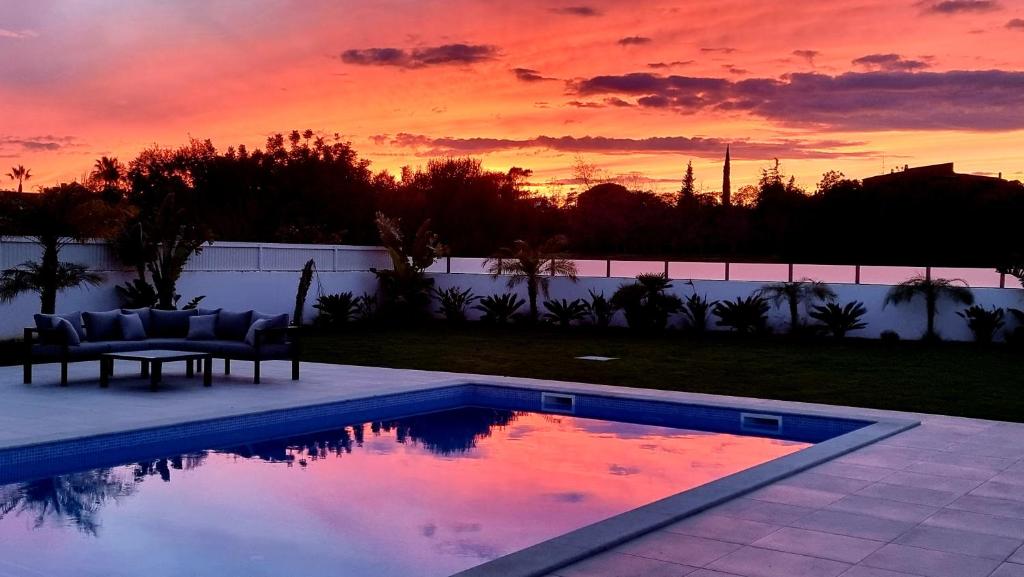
(152, 364)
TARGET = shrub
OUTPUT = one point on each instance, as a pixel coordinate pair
(136, 294)
(889, 336)
(336, 310)
(601, 309)
(743, 315)
(646, 303)
(697, 311)
(454, 303)
(983, 322)
(499, 309)
(564, 312)
(839, 320)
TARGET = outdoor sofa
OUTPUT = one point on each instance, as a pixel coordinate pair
(228, 335)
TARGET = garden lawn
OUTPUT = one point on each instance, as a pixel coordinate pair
(945, 378)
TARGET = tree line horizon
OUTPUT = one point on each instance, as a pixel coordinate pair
(303, 187)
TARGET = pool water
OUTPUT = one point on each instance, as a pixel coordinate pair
(423, 496)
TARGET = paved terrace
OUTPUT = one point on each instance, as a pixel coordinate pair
(945, 499)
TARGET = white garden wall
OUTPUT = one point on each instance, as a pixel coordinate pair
(265, 276)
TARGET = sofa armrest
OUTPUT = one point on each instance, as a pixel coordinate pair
(289, 334)
(53, 335)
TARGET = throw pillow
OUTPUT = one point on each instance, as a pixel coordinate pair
(102, 326)
(202, 328)
(233, 326)
(143, 315)
(50, 321)
(64, 333)
(170, 324)
(132, 328)
(250, 337)
(273, 322)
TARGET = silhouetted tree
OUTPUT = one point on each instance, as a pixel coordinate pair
(533, 266)
(21, 174)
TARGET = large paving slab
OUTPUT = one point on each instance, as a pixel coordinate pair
(943, 499)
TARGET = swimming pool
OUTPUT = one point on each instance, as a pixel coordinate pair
(428, 483)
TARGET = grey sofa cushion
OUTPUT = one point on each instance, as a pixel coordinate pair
(232, 325)
(132, 328)
(201, 328)
(170, 324)
(272, 322)
(143, 315)
(102, 326)
(70, 326)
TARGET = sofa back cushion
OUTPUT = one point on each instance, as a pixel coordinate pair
(65, 332)
(202, 328)
(233, 326)
(132, 328)
(144, 316)
(170, 324)
(50, 321)
(200, 311)
(102, 326)
(262, 321)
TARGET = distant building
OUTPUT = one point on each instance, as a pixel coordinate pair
(934, 173)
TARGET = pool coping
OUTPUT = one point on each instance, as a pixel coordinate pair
(543, 558)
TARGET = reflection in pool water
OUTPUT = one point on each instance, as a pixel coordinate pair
(426, 496)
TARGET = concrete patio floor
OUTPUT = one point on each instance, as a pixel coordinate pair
(945, 499)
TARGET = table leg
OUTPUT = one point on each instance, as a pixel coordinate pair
(207, 371)
(104, 373)
(155, 374)
(145, 369)
(189, 371)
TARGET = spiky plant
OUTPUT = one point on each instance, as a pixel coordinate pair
(837, 319)
(983, 322)
(532, 265)
(647, 303)
(743, 315)
(932, 291)
(499, 309)
(697, 311)
(565, 312)
(601, 309)
(336, 310)
(454, 303)
(793, 293)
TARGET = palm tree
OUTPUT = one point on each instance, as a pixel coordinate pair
(795, 292)
(54, 218)
(108, 171)
(21, 174)
(533, 265)
(932, 289)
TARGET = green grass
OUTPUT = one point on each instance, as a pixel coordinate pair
(946, 378)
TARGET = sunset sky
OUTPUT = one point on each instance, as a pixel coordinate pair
(640, 86)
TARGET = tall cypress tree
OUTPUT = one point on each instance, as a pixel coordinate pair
(726, 185)
(687, 190)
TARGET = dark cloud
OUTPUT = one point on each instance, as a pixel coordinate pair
(874, 100)
(694, 146)
(618, 102)
(577, 11)
(1016, 23)
(48, 142)
(718, 50)
(808, 55)
(634, 40)
(421, 57)
(889, 62)
(673, 64)
(734, 69)
(584, 104)
(529, 75)
(961, 6)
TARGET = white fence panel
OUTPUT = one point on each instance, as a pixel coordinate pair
(889, 274)
(591, 268)
(225, 258)
(294, 258)
(632, 268)
(974, 277)
(697, 270)
(468, 265)
(827, 273)
(756, 271)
